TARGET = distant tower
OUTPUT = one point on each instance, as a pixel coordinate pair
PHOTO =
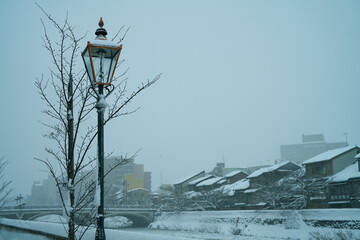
(218, 170)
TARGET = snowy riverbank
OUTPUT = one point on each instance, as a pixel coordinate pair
(265, 224)
(224, 225)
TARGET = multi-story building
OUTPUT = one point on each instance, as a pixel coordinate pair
(210, 184)
(118, 182)
(133, 182)
(181, 186)
(311, 146)
(264, 177)
(192, 184)
(138, 196)
(324, 166)
(344, 187)
(44, 193)
(330, 162)
(235, 176)
(268, 175)
(147, 180)
(125, 178)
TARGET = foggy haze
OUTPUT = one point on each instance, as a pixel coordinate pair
(239, 79)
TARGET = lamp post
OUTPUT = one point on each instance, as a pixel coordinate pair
(100, 58)
(18, 200)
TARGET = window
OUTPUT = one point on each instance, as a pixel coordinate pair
(318, 170)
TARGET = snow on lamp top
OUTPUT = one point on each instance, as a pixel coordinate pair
(100, 57)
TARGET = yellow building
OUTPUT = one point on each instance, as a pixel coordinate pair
(133, 182)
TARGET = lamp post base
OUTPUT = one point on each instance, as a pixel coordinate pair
(100, 232)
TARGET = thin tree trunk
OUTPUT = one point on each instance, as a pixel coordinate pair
(70, 172)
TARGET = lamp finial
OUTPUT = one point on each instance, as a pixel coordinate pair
(101, 32)
(101, 22)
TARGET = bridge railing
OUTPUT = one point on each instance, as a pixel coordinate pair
(107, 206)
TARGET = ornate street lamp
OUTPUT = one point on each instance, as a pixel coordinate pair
(100, 58)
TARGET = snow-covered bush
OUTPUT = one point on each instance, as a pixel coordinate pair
(204, 228)
(117, 222)
(293, 220)
(238, 227)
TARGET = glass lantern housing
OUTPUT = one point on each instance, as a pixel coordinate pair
(100, 59)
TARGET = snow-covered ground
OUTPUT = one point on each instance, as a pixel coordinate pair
(111, 234)
(216, 225)
(260, 224)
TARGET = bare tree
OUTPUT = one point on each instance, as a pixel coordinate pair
(69, 104)
(178, 203)
(299, 189)
(204, 200)
(293, 191)
(5, 189)
(270, 194)
(211, 199)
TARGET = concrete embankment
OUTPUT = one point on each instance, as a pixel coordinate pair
(30, 227)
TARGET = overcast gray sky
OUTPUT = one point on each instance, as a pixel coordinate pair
(240, 78)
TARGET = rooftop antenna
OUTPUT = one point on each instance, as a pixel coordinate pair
(346, 138)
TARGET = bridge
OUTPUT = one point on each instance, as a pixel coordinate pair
(141, 217)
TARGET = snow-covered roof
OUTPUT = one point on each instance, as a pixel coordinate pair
(349, 172)
(251, 190)
(357, 156)
(196, 181)
(233, 173)
(222, 181)
(328, 155)
(105, 43)
(239, 204)
(236, 186)
(191, 194)
(209, 182)
(188, 177)
(267, 169)
(260, 204)
(338, 202)
(136, 189)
